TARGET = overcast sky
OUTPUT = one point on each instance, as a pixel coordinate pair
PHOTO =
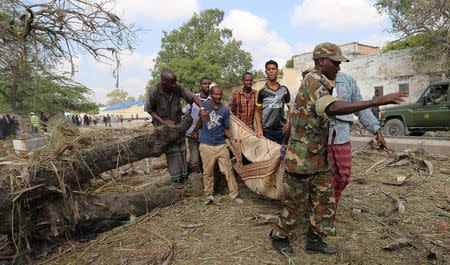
(268, 30)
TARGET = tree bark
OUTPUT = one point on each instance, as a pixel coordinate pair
(42, 213)
(103, 158)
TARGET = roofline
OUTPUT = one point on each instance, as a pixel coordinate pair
(354, 42)
(359, 43)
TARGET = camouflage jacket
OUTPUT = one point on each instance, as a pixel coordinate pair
(306, 152)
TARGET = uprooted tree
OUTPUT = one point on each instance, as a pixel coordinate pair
(47, 202)
(38, 35)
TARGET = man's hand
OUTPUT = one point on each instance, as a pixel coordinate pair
(204, 115)
(169, 123)
(259, 132)
(382, 143)
(194, 135)
(393, 98)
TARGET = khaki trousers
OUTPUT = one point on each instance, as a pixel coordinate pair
(210, 154)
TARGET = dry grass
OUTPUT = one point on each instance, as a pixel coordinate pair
(225, 233)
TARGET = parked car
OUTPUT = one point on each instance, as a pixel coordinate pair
(431, 112)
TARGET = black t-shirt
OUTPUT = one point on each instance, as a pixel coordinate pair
(272, 105)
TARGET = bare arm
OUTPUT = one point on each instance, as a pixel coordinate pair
(203, 113)
(347, 107)
(258, 119)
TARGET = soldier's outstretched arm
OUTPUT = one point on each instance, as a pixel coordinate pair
(346, 107)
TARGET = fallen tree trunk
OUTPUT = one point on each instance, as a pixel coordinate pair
(44, 206)
(100, 159)
(90, 211)
(88, 216)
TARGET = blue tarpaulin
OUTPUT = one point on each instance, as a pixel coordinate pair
(125, 105)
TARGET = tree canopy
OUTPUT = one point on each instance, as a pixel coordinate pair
(423, 26)
(290, 63)
(202, 48)
(46, 92)
(116, 96)
(38, 36)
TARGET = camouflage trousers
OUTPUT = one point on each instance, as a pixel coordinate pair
(309, 198)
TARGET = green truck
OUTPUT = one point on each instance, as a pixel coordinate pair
(431, 112)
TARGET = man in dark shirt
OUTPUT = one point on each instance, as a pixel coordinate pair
(163, 104)
(269, 112)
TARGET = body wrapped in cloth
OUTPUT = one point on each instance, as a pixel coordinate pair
(258, 161)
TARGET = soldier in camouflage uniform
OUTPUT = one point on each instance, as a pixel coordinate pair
(308, 175)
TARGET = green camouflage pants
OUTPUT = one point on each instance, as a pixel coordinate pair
(308, 197)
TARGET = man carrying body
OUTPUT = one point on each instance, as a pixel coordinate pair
(213, 147)
(308, 174)
(339, 148)
(163, 104)
(194, 110)
(243, 101)
(269, 112)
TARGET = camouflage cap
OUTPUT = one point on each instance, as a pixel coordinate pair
(329, 50)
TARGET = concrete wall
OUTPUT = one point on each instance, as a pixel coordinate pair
(388, 70)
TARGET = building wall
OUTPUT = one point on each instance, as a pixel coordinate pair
(389, 70)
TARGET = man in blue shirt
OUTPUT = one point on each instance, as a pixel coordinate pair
(213, 147)
(339, 148)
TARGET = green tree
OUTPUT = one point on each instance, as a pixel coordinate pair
(43, 91)
(142, 97)
(423, 26)
(130, 99)
(117, 96)
(258, 75)
(201, 48)
(290, 63)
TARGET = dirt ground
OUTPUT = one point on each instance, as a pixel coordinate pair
(190, 232)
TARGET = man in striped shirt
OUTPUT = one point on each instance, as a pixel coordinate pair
(242, 103)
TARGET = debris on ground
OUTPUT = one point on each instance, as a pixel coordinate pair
(401, 205)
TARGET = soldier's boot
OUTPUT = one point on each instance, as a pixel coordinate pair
(314, 244)
(282, 245)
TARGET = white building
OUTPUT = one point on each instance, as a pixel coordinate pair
(390, 71)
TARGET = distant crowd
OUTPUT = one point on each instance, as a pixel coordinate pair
(88, 120)
(9, 126)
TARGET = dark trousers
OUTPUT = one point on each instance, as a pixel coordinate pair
(274, 135)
